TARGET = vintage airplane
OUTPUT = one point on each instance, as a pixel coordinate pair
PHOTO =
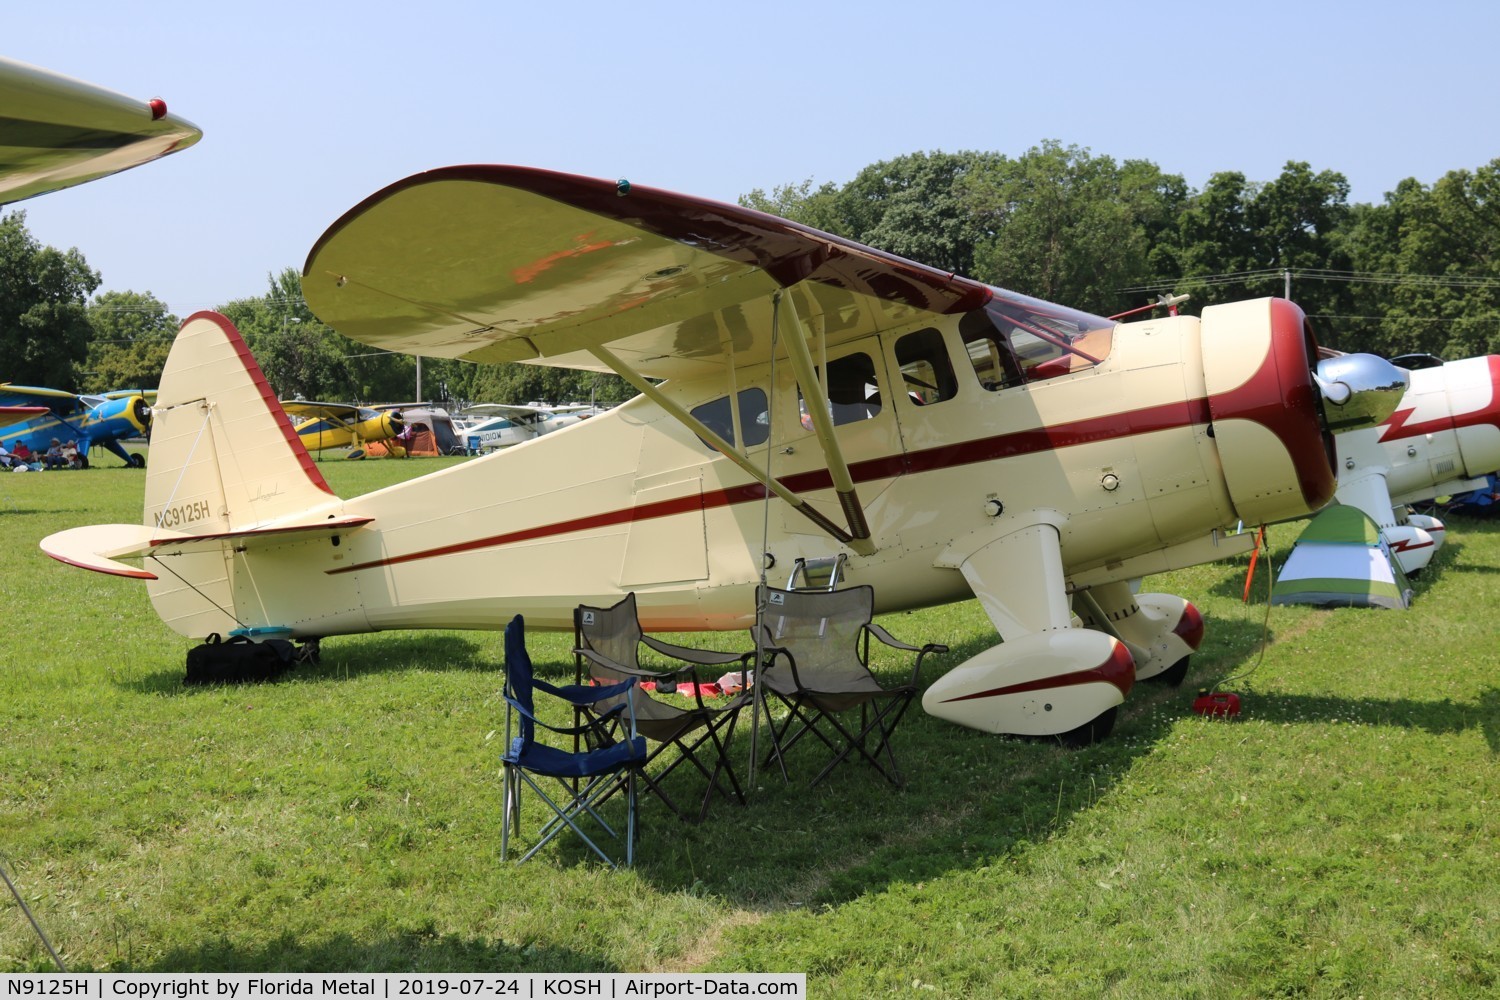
(98, 421)
(342, 425)
(512, 423)
(824, 401)
(58, 131)
(1444, 439)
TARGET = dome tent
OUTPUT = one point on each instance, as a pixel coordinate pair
(1340, 560)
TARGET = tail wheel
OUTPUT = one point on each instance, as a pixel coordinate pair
(1090, 732)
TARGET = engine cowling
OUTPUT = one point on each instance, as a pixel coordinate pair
(1275, 410)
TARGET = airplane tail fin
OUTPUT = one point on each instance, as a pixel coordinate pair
(224, 456)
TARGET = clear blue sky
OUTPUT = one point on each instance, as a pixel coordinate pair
(307, 108)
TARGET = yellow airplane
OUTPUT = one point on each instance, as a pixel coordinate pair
(823, 403)
(342, 425)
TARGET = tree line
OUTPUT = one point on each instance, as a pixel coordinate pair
(1418, 273)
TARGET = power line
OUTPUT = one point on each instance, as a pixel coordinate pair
(1320, 274)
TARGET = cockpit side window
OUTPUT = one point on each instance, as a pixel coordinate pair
(1016, 339)
(926, 372)
(754, 417)
(853, 391)
(989, 351)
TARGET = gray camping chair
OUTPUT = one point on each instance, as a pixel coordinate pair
(607, 643)
(823, 637)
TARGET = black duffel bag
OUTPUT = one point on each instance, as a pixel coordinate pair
(238, 659)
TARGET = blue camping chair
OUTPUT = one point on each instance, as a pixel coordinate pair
(586, 776)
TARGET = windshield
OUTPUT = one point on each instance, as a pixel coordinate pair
(1015, 339)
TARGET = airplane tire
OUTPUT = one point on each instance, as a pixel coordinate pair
(1090, 732)
(137, 460)
(1173, 675)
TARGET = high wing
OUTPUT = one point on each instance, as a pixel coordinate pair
(342, 414)
(59, 402)
(504, 263)
(15, 414)
(56, 131)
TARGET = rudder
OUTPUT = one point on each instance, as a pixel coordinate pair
(224, 455)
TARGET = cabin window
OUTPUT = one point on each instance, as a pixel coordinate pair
(1016, 339)
(853, 391)
(989, 351)
(926, 372)
(755, 422)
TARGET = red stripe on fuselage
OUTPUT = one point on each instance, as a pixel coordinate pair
(1168, 416)
(1397, 428)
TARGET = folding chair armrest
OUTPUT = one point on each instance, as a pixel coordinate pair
(769, 662)
(580, 695)
(921, 651)
(591, 727)
(619, 668)
(890, 640)
(702, 657)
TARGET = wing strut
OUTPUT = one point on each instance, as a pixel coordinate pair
(651, 392)
(818, 410)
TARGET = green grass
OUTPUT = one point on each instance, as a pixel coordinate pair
(1338, 840)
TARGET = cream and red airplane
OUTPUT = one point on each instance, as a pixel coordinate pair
(1444, 439)
(823, 401)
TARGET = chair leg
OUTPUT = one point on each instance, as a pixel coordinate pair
(509, 812)
(565, 815)
(872, 722)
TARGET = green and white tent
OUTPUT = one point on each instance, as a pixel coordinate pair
(1340, 560)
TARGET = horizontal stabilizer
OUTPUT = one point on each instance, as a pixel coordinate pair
(99, 547)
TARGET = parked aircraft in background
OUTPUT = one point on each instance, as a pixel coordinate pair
(501, 425)
(823, 401)
(58, 131)
(1444, 439)
(341, 425)
(100, 421)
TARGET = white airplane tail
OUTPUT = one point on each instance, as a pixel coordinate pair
(224, 456)
(226, 474)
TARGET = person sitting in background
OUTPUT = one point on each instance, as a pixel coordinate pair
(53, 459)
(7, 460)
(22, 452)
(71, 456)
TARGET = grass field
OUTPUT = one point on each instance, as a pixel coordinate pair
(1338, 840)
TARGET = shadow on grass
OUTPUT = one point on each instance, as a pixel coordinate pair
(374, 654)
(413, 951)
(1441, 717)
(969, 798)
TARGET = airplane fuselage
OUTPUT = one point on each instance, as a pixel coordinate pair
(1137, 461)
